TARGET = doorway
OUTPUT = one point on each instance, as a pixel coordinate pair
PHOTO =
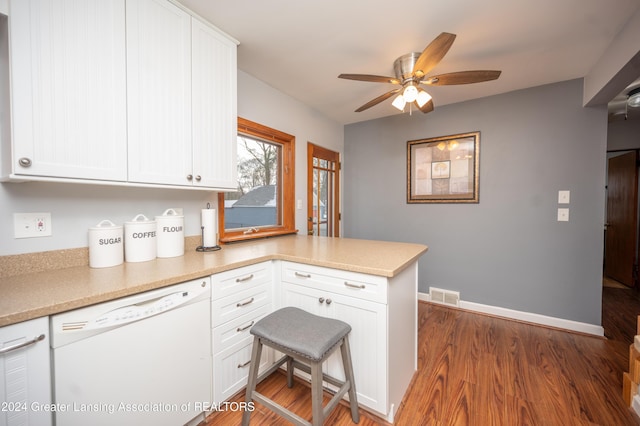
(323, 196)
(621, 227)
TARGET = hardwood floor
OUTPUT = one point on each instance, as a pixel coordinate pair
(475, 369)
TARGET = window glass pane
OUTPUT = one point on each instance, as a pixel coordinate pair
(258, 200)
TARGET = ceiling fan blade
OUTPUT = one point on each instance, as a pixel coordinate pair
(428, 107)
(462, 77)
(377, 100)
(370, 78)
(433, 54)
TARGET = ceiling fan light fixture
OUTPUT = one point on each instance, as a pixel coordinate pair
(423, 98)
(634, 98)
(399, 102)
(410, 93)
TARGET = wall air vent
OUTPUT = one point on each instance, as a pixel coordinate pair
(445, 297)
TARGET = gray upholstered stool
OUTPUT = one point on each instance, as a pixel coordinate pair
(308, 338)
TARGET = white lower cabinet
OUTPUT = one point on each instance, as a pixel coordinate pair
(25, 374)
(367, 339)
(382, 313)
(240, 297)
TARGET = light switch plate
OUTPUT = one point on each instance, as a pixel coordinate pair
(563, 215)
(564, 197)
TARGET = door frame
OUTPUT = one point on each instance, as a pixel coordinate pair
(608, 244)
(316, 151)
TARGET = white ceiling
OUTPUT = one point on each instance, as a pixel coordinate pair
(300, 46)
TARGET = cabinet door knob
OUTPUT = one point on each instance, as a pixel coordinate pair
(24, 162)
(321, 300)
(329, 301)
(198, 178)
(189, 177)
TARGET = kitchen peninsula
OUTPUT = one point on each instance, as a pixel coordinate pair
(370, 284)
(32, 295)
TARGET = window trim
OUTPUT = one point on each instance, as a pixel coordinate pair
(249, 128)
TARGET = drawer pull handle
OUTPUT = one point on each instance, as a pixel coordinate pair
(239, 329)
(243, 279)
(244, 303)
(244, 365)
(22, 345)
(360, 286)
(298, 274)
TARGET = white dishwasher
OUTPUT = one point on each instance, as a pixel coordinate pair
(140, 360)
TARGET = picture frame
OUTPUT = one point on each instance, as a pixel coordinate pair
(444, 169)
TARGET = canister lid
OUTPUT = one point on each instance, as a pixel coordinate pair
(140, 220)
(169, 214)
(105, 225)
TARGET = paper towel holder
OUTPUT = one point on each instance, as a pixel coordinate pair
(202, 248)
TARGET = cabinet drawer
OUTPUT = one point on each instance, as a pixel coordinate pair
(230, 282)
(363, 286)
(231, 368)
(237, 304)
(234, 331)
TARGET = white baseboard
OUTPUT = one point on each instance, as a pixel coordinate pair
(581, 327)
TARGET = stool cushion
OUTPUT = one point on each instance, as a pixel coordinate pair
(308, 335)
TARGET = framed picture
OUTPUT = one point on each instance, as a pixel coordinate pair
(445, 169)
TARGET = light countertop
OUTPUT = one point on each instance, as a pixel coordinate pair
(32, 295)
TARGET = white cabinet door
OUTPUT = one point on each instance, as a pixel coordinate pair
(159, 92)
(214, 80)
(68, 89)
(368, 338)
(25, 374)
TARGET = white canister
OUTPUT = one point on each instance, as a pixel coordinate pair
(170, 228)
(105, 245)
(140, 239)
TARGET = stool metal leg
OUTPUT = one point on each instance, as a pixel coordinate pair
(256, 352)
(348, 373)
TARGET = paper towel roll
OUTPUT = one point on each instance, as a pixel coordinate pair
(210, 231)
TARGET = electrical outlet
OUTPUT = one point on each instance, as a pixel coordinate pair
(31, 225)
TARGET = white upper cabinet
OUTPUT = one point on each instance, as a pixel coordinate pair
(182, 98)
(135, 92)
(68, 93)
(214, 82)
(159, 92)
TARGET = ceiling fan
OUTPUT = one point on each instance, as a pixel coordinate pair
(411, 71)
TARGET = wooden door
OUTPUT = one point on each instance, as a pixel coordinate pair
(323, 183)
(622, 209)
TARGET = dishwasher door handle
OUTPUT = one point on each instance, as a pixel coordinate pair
(22, 345)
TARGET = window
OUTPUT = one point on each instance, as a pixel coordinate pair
(263, 204)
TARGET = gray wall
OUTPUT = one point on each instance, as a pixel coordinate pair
(623, 134)
(507, 251)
